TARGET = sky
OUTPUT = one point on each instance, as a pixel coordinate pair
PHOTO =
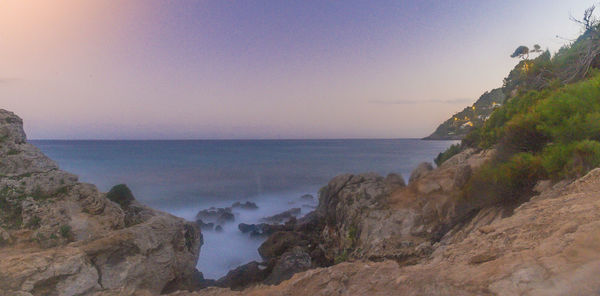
(149, 69)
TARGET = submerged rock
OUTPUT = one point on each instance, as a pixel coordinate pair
(216, 216)
(261, 229)
(307, 197)
(283, 216)
(246, 206)
(205, 226)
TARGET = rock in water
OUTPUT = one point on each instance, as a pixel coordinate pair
(307, 197)
(246, 206)
(205, 226)
(217, 216)
(283, 216)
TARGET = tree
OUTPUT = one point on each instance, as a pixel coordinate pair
(589, 22)
(521, 52)
(524, 51)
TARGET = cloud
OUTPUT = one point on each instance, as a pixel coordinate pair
(414, 102)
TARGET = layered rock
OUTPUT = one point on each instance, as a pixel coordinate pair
(63, 237)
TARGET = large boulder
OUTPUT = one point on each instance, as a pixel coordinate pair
(394, 181)
(421, 170)
(243, 276)
(11, 128)
(281, 241)
(291, 262)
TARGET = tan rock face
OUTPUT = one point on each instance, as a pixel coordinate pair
(367, 219)
(62, 237)
(548, 246)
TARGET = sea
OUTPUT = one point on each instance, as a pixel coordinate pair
(182, 177)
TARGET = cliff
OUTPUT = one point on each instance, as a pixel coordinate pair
(461, 123)
(423, 239)
(62, 237)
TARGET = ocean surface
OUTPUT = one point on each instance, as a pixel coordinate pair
(183, 177)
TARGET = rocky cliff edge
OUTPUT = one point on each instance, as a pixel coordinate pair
(62, 237)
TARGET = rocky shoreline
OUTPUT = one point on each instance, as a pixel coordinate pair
(369, 235)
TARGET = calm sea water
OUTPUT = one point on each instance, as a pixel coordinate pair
(183, 177)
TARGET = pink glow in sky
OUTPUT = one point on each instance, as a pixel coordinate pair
(146, 69)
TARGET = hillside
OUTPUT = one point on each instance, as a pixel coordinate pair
(457, 126)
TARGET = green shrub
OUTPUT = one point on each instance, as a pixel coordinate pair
(34, 222)
(121, 194)
(10, 213)
(65, 231)
(504, 182)
(451, 151)
(342, 257)
(522, 134)
(13, 152)
(573, 160)
(39, 194)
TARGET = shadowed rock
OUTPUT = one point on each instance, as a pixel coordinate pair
(420, 171)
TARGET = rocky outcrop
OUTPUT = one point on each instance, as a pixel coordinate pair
(421, 170)
(63, 237)
(282, 217)
(243, 276)
(549, 245)
(291, 262)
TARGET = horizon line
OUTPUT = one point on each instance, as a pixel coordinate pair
(231, 139)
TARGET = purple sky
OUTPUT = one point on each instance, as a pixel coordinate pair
(145, 69)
